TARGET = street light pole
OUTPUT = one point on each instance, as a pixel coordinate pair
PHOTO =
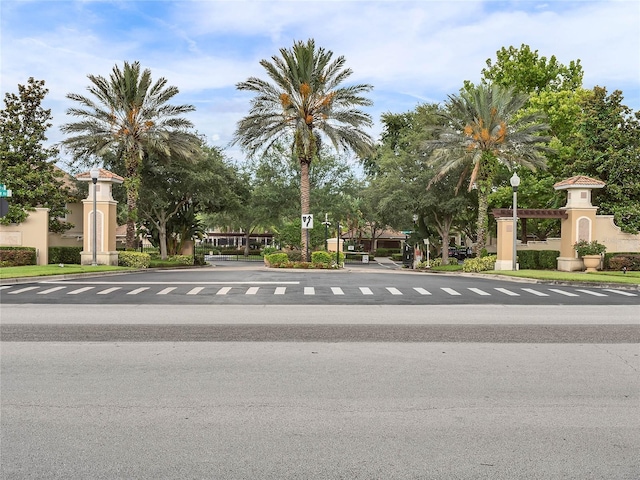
(326, 224)
(95, 173)
(515, 182)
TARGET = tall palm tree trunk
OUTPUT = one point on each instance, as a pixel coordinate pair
(483, 220)
(304, 205)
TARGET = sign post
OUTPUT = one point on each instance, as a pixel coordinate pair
(307, 223)
(4, 204)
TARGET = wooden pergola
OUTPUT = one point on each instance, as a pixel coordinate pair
(524, 213)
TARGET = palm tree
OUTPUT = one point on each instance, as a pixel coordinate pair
(304, 101)
(484, 130)
(130, 116)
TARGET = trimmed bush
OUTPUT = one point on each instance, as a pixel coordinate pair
(386, 252)
(275, 259)
(66, 255)
(181, 259)
(322, 257)
(618, 261)
(294, 255)
(528, 259)
(134, 259)
(17, 256)
(479, 264)
(548, 259)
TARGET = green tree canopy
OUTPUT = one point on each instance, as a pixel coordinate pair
(26, 165)
(304, 101)
(129, 114)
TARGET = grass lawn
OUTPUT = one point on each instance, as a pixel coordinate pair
(46, 270)
(630, 278)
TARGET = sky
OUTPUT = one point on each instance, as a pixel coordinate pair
(410, 51)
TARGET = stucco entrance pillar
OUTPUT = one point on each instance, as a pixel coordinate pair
(504, 251)
(580, 221)
(105, 217)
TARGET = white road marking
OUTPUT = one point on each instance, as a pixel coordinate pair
(535, 292)
(309, 291)
(591, 292)
(15, 292)
(394, 291)
(252, 290)
(450, 291)
(563, 292)
(108, 290)
(80, 290)
(337, 291)
(166, 291)
(195, 291)
(280, 291)
(422, 291)
(508, 292)
(4, 286)
(223, 291)
(51, 290)
(479, 292)
(366, 291)
(137, 291)
(621, 292)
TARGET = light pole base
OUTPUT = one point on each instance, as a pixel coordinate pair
(505, 265)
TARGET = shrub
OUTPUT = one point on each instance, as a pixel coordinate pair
(67, 255)
(276, 259)
(618, 261)
(479, 264)
(294, 255)
(269, 250)
(134, 259)
(396, 257)
(322, 257)
(589, 248)
(181, 259)
(386, 252)
(528, 259)
(17, 256)
(548, 259)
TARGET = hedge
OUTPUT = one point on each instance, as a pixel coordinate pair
(66, 255)
(17, 256)
(479, 264)
(538, 259)
(617, 261)
(134, 259)
(386, 252)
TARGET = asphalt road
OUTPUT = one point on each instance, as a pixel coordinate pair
(544, 388)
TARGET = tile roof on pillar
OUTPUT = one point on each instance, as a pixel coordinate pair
(579, 181)
(103, 175)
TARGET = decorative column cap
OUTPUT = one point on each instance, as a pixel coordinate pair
(104, 176)
(579, 181)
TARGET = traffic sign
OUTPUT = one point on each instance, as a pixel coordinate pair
(307, 221)
(4, 192)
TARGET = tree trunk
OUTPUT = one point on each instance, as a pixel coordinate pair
(444, 228)
(483, 223)
(304, 204)
(247, 234)
(130, 242)
(162, 234)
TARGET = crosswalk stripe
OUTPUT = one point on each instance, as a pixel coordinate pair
(15, 292)
(166, 291)
(337, 291)
(108, 290)
(4, 286)
(223, 291)
(591, 292)
(137, 291)
(450, 291)
(80, 290)
(280, 290)
(563, 292)
(195, 290)
(479, 292)
(535, 292)
(309, 291)
(422, 291)
(51, 290)
(394, 291)
(621, 292)
(508, 292)
(252, 290)
(366, 291)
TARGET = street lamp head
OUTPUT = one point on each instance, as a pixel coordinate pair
(515, 181)
(95, 173)
(415, 217)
